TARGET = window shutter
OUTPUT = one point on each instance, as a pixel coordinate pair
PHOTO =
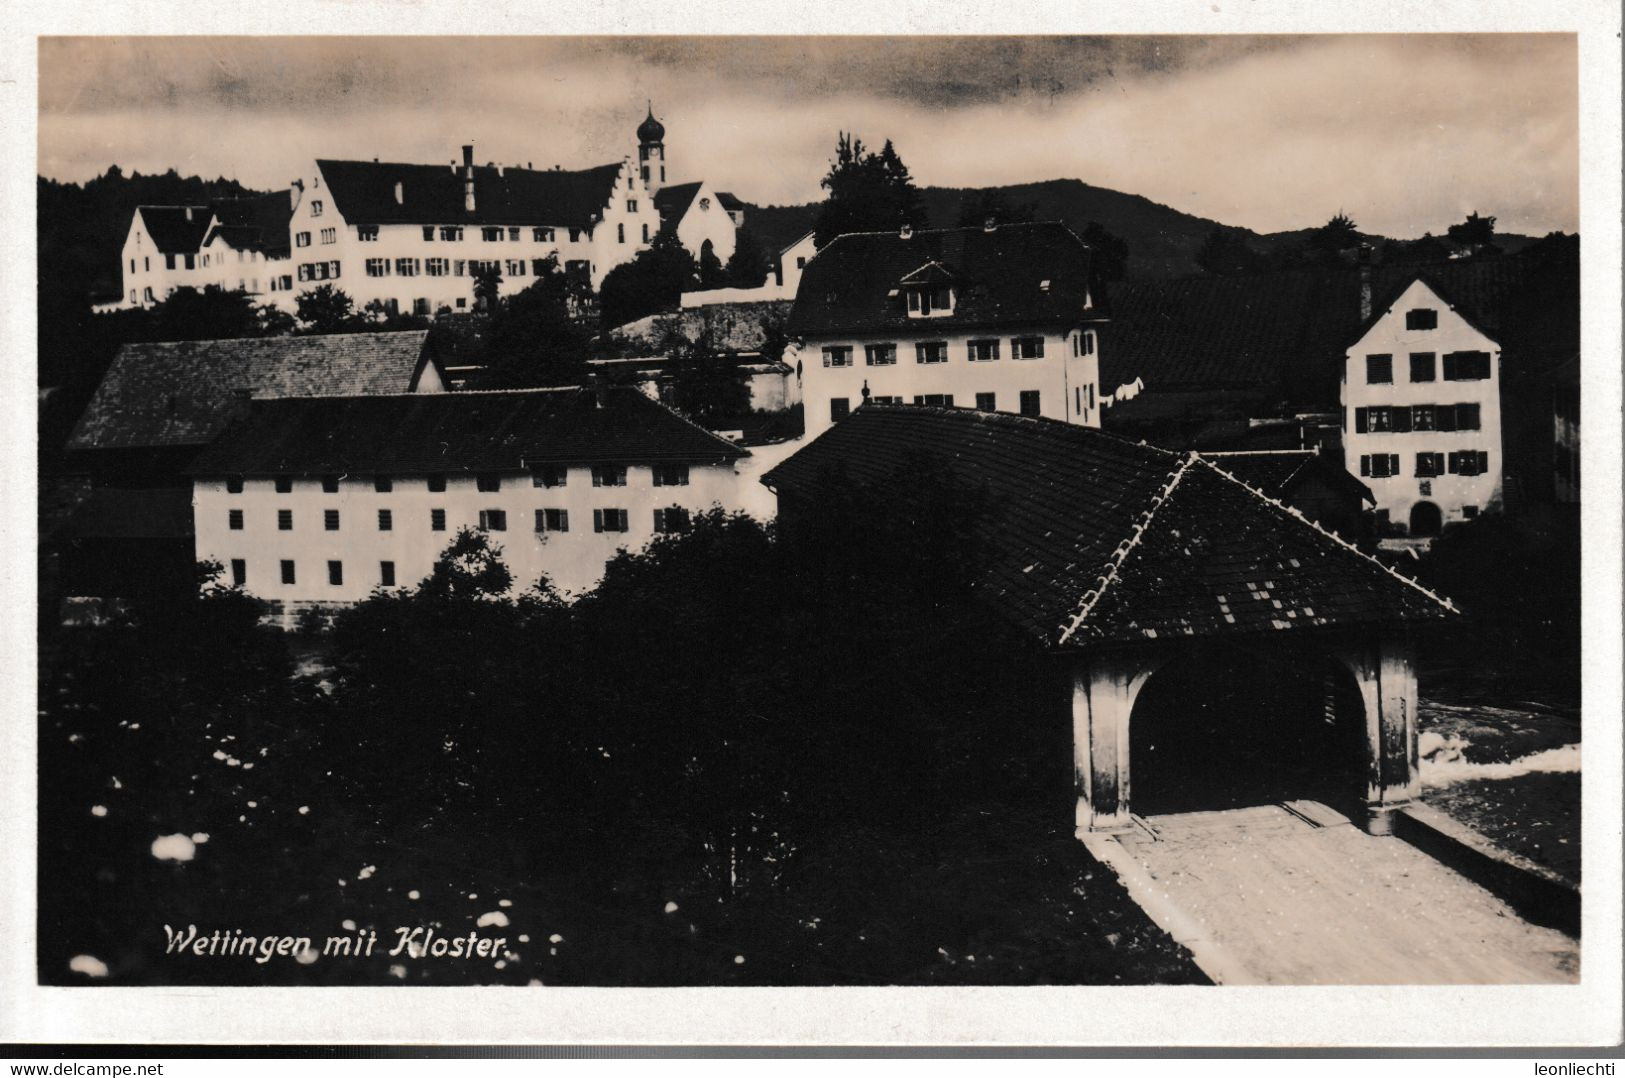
(1467, 417)
(1483, 463)
(1361, 421)
(1393, 464)
(1365, 465)
(1401, 419)
(1454, 463)
(597, 520)
(1445, 415)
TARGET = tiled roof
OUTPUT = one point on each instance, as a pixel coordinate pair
(259, 223)
(735, 327)
(184, 393)
(1288, 332)
(729, 202)
(364, 193)
(446, 432)
(1277, 472)
(172, 230)
(673, 201)
(1015, 275)
(1094, 539)
(117, 513)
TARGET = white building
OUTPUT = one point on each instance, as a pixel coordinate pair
(234, 244)
(321, 501)
(1422, 414)
(996, 318)
(703, 219)
(781, 283)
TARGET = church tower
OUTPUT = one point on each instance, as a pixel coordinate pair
(652, 152)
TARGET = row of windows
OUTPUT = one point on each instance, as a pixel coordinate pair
(445, 267)
(978, 351)
(1402, 419)
(1428, 465)
(1458, 367)
(488, 234)
(603, 475)
(318, 271)
(491, 520)
(1029, 402)
(290, 574)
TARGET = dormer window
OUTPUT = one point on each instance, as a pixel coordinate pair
(930, 301)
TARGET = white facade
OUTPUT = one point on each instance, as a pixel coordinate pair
(150, 275)
(1060, 380)
(706, 221)
(1422, 414)
(572, 558)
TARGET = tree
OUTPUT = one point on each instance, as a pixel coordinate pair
(711, 273)
(487, 286)
(1225, 252)
(868, 192)
(1338, 234)
(653, 281)
(990, 204)
(325, 309)
(212, 314)
(747, 266)
(1475, 233)
(706, 383)
(1110, 261)
(533, 340)
(274, 321)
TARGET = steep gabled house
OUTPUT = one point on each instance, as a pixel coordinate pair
(701, 218)
(997, 318)
(237, 244)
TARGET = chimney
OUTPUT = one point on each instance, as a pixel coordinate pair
(468, 156)
(400, 193)
(468, 178)
(990, 224)
(1365, 281)
(188, 213)
(906, 232)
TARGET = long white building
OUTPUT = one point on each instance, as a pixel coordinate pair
(316, 502)
(1001, 319)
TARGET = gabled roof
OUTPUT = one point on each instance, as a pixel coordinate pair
(1096, 540)
(259, 223)
(729, 202)
(449, 432)
(854, 285)
(184, 393)
(1276, 473)
(173, 230)
(673, 201)
(933, 272)
(364, 193)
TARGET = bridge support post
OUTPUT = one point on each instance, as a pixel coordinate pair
(1103, 691)
(1386, 673)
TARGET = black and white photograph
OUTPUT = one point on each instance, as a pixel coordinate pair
(678, 511)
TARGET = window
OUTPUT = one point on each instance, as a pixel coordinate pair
(550, 475)
(609, 475)
(239, 572)
(1399, 419)
(287, 572)
(437, 484)
(169, 262)
(645, 233)
(934, 400)
(1429, 465)
(671, 521)
(926, 302)
(329, 235)
(335, 573)
(1422, 416)
(284, 520)
(316, 208)
(377, 267)
(513, 234)
(880, 355)
(428, 233)
(386, 574)
(837, 355)
(839, 408)
(1466, 366)
(516, 267)
(1375, 420)
(631, 205)
(878, 399)
(1083, 344)
(191, 262)
(983, 350)
(383, 484)
(493, 520)
(1027, 347)
(234, 484)
(1469, 512)
(1422, 318)
(552, 520)
(407, 267)
(300, 239)
(931, 352)
(491, 235)
(330, 519)
(542, 235)
(1380, 465)
(1467, 417)
(332, 269)
(1469, 462)
(987, 402)
(1029, 402)
(1379, 370)
(386, 520)
(1422, 366)
(488, 482)
(234, 520)
(330, 484)
(436, 267)
(437, 520)
(451, 232)
(609, 520)
(575, 235)
(671, 475)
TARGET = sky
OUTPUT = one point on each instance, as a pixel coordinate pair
(1404, 133)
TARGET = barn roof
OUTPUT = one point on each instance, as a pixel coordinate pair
(364, 193)
(1096, 540)
(1012, 276)
(446, 432)
(184, 392)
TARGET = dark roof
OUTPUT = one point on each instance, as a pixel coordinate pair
(729, 202)
(673, 201)
(444, 432)
(853, 284)
(259, 223)
(184, 393)
(1095, 539)
(172, 230)
(1288, 332)
(117, 513)
(734, 327)
(1276, 473)
(364, 193)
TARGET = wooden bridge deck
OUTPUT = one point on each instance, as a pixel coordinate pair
(1298, 895)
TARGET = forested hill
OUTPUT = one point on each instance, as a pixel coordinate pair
(1162, 241)
(82, 226)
